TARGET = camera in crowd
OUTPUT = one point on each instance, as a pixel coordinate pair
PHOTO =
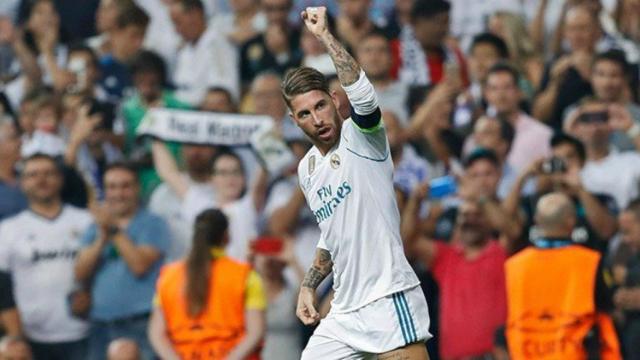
(554, 165)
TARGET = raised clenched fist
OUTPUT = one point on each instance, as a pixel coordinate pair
(315, 19)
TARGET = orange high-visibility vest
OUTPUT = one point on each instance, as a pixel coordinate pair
(551, 307)
(221, 326)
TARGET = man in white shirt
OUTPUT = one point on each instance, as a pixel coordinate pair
(347, 180)
(532, 137)
(38, 247)
(616, 174)
(206, 59)
(168, 204)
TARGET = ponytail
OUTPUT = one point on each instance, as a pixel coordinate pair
(209, 230)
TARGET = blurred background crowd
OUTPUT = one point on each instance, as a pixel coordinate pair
(488, 105)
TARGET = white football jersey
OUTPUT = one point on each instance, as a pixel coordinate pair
(40, 254)
(350, 191)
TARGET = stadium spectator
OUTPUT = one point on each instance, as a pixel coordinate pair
(559, 287)
(410, 169)
(513, 30)
(227, 190)
(595, 219)
(282, 338)
(161, 36)
(285, 211)
(503, 97)
(627, 24)
(627, 296)
(420, 55)
(244, 21)
(486, 50)
(218, 99)
(612, 173)
(276, 48)
(372, 53)
(168, 204)
(353, 22)
(38, 248)
(398, 18)
(106, 21)
(12, 199)
(610, 82)
(198, 66)
(121, 258)
(566, 79)
(208, 296)
(470, 275)
(126, 40)
(149, 75)
(497, 134)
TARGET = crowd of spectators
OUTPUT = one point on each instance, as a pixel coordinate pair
(513, 99)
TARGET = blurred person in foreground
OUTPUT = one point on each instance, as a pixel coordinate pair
(557, 297)
(208, 305)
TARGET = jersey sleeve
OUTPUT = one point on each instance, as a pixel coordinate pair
(255, 296)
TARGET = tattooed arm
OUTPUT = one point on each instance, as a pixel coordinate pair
(322, 265)
(365, 112)
(315, 19)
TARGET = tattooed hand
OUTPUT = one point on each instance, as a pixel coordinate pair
(315, 19)
(306, 310)
(347, 69)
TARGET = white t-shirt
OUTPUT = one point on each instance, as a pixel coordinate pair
(617, 175)
(242, 216)
(167, 204)
(211, 61)
(350, 191)
(40, 254)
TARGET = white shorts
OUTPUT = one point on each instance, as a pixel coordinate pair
(386, 324)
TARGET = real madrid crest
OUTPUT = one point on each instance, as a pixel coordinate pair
(312, 164)
(335, 161)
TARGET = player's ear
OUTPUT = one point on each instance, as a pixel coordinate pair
(335, 98)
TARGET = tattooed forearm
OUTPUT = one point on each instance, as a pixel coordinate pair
(346, 66)
(319, 270)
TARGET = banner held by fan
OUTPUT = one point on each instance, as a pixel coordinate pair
(207, 128)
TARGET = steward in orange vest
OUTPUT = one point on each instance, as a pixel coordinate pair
(205, 305)
(556, 295)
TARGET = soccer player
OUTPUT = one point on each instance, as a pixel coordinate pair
(378, 308)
